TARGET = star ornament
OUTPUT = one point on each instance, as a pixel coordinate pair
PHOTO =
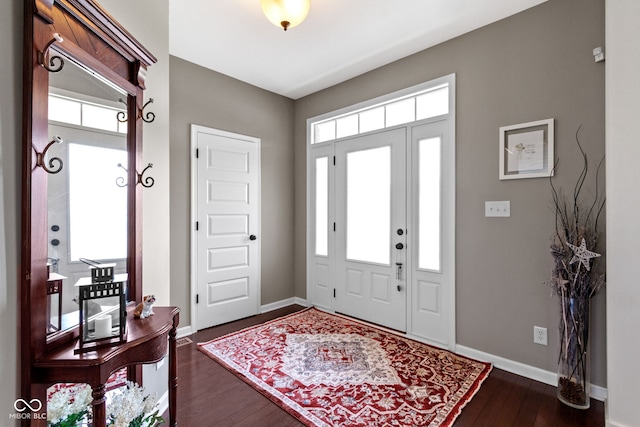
(580, 253)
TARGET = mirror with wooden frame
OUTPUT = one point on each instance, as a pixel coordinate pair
(84, 77)
(87, 194)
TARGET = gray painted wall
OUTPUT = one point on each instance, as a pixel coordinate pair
(534, 65)
(207, 98)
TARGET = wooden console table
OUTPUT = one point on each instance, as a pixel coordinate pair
(147, 342)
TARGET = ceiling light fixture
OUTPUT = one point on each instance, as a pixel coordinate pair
(285, 13)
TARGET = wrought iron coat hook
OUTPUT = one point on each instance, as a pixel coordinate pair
(40, 158)
(147, 182)
(147, 118)
(51, 67)
(122, 116)
(120, 181)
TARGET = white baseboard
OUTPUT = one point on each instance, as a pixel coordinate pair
(607, 421)
(163, 403)
(531, 372)
(283, 303)
(185, 331)
(599, 393)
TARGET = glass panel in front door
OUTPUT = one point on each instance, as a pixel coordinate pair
(369, 205)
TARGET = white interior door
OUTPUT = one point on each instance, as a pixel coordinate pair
(227, 206)
(370, 222)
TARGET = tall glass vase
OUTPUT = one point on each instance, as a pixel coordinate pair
(573, 366)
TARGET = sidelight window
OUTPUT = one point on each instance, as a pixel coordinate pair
(429, 220)
(322, 206)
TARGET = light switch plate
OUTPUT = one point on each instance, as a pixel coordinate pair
(497, 209)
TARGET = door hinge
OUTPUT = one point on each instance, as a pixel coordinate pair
(197, 225)
(197, 298)
(197, 153)
(334, 226)
(334, 160)
(334, 292)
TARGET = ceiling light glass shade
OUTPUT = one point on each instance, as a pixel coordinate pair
(285, 13)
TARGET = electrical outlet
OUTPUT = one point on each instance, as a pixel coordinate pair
(540, 335)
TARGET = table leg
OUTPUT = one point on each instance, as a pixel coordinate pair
(173, 374)
(99, 406)
(38, 398)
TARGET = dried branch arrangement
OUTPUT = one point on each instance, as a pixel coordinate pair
(575, 278)
(576, 273)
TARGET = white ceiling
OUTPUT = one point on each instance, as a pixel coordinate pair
(340, 39)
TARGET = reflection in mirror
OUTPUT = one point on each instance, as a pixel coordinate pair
(87, 209)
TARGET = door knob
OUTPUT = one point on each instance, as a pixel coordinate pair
(252, 237)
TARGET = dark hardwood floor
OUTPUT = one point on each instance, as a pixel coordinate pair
(209, 395)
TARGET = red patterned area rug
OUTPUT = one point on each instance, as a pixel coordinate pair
(329, 370)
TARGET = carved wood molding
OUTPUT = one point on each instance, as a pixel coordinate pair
(43, 8)
(88, 26)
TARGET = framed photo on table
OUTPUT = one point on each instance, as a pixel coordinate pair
(526, 150)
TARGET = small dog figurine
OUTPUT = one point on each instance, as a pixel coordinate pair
(144, 309)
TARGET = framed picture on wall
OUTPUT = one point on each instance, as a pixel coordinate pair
(526, 150)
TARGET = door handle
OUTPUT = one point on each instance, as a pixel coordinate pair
(252, 237)
(399, 246)
(399, 275)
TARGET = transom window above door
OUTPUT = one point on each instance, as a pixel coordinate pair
(419, 105)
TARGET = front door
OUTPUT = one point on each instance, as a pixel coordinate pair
(371, 228)
(227, 206)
